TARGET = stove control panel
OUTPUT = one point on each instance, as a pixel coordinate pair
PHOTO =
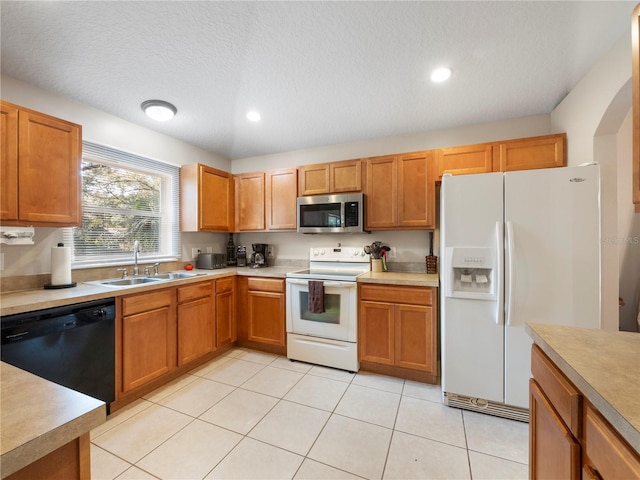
(338, 254)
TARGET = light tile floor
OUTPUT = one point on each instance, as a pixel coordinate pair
(253, 415)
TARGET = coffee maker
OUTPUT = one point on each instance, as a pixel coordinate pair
(259, 255)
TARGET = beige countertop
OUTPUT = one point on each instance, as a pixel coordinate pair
(401, 278)
(31, 300)
(39, 416)
(604, 366)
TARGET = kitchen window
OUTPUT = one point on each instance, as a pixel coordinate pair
(125, 198)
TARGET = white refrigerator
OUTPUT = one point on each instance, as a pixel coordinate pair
(516, 247)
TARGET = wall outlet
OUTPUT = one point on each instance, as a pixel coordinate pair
(194, 253)
(270, 251)
(209, 249)
(392, 253)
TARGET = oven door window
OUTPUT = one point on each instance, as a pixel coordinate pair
(320, 215)
(331, 312)
(339, 319)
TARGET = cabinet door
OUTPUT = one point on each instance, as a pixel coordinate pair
(225, 308)
(382, 193)
(195, 329)
(266, 317)
(465, 160)
(281, 195)
(148, 346)
(414, 338)
(530, 153)
(345, 176)
(415, 193)
(606, 452)
(553, 452)
(314, 179)
(8, 161)
(215, 200)
(49, 156)
(375, 332)
(250, 201)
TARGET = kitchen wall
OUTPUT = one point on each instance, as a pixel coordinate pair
(628, 238)
(595, 115)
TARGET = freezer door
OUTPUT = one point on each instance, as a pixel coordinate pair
(472, 330)
(552, 260)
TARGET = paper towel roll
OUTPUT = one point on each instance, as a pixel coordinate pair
(60, 265)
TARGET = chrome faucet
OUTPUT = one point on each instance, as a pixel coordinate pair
(136, 250)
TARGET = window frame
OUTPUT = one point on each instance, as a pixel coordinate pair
(169, 208)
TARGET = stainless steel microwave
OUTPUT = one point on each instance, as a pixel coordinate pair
(341, 213)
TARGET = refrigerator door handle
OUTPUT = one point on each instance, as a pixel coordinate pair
(510, 261)
(499, 275)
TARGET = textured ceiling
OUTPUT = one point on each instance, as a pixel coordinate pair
(320, 73)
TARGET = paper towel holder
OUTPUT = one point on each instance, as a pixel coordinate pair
(50, 286)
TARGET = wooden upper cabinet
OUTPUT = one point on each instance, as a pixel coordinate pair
(530, 153)
(206, 199)
(281, 195)
(416, 196)
(41, 158)
(314, 179)
(635, 69)
(465, 160)
(399, 192)
(382, 193)
(345, 176)
(327, 178)
(9, 162)
(250, 201)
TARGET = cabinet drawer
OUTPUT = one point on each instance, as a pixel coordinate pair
(266, 285)
(607, 453)
(191, 292)
(566, 399)
(393, 294)
(146, 301)
(224, 285)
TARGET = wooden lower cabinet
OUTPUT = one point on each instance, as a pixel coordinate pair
(162, 334)
(555, 450)
(225, 312)
(261, 313)
(397, 329)
(196, 321)
(605, 453)
(71, 461)
(148, 337)
(568, 437)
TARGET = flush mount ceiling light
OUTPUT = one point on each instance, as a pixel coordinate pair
(253, 116)
(440, 74)
(159, 110)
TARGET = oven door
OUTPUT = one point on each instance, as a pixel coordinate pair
(339, 321)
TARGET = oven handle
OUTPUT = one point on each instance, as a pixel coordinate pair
(325, 283)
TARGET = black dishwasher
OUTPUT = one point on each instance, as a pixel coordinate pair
(72, 345)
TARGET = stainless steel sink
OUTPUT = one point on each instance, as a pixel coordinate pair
(174, 275)
(122, 282)
(127, 282)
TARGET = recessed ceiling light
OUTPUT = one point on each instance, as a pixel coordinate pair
(159, 110)
(440, 74)
(253, 116)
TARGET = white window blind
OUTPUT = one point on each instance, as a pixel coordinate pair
(125, 198)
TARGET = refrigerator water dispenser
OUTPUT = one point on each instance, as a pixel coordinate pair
(473, 271)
